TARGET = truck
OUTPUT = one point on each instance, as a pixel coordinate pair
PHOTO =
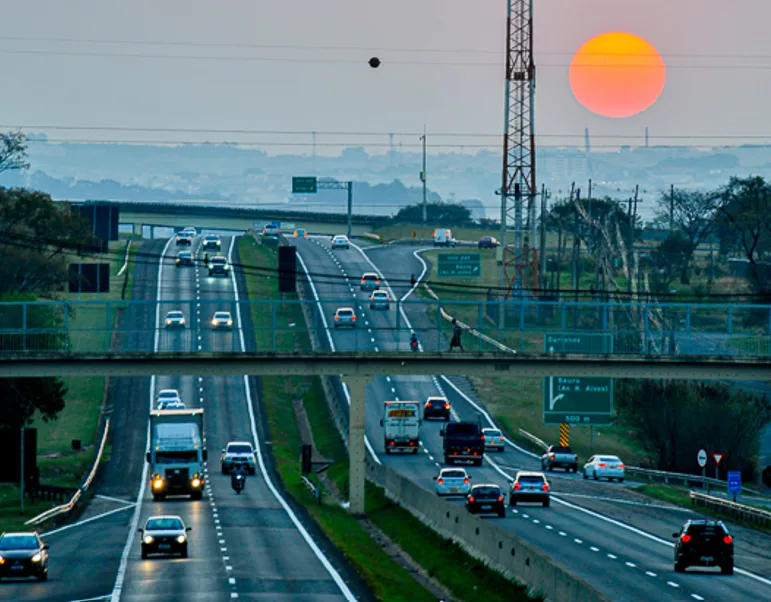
(463, 441)
(443, 238)
(558, 456)
(177, 453)
(401, 426)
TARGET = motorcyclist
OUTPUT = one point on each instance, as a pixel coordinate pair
(414, 340)
(238, 481)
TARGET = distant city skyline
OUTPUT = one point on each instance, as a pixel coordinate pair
(302, 66)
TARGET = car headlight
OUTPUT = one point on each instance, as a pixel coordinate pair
(2, 560)
(214, 322)
(168, 322)
(196, 482)
(211, 265)
(230, 322)
(157, 483)
(227, 267)
(181, 539)
(148, 539)
(182, 320)
(37, 557)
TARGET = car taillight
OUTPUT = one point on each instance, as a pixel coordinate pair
(728, 539)
(391, 443)
(471, 499)
(337, 318)
(377, 281)
(620, 466)
(545, 487)
(447, 406)
(551, 457)
(440, 481)
(517, 486)
(412, 443)
(501, 437)
(483, 437)
(500, 498)
(354, 318)
(685, 538)
(601, 465)
(363, 280)
(466, 481)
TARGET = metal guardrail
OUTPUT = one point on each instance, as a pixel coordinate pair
(678, 477)
(733, 509)
(125, 258)
(311, 486)
(532, 438)
(65, 508)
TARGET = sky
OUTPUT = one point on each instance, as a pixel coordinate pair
(301, 66)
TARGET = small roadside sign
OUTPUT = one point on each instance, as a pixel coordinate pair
(734, 482)
(717, 457)
(701, 458)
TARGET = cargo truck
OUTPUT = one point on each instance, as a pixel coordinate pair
(401, 426)
(177, 453)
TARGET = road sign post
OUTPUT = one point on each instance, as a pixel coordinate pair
(464, 265)
(577, 401)
(717, 457)
(701, 458)
(734, 483)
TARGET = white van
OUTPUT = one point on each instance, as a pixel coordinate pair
(443, 238)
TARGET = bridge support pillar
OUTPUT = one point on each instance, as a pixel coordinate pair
(137, 228)
(357, 387)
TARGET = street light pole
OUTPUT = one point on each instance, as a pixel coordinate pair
(22, 471)
(423, 174)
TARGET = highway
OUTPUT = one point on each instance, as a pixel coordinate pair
(623, 561)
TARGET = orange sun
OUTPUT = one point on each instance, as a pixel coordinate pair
(617, 75)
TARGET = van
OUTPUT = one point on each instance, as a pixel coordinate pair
(443, 238)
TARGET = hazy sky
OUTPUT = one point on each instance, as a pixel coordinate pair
(256, 84)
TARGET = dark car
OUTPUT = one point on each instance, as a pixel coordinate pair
(486, 499)
(218, 266)
(184, 238)
(704, 543)
(184, 258)
(436, 407)
(211, 242)
(23, 555)
(488, 242)
(164, 535)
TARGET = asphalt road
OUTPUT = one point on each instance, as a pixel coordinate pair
(623, 561)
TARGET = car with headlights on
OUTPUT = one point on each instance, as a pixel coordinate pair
(704, 543)
(604, 467)
(452, 481)
(218, 266)
(211, 242)
(238, 456)
(529, 487)
(175, 319)
(369, 281)
(340, 242)
(184, 239)
(486, 498)
(494, 440)
(165, 397)
(23, 554)
(345, 316)
(165, 535)
(380, 300)
(222, 320)
(436, 407)
(185, 258)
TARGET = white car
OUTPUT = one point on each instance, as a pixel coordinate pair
(340, 242)
(191, 231)
(175, 319)
(452, 481)
(380, 300)
(237, 456)
(345, 316)
(494, 440)
(167, 396)
(222, 320)
(604, 467)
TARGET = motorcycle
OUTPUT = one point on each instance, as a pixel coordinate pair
(414, 343)
(238, 482)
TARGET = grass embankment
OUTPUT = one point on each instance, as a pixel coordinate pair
(679, 496)
(57, 462)
(388, 580)
(517, 403)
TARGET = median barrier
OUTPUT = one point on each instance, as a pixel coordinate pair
(485, 540)
(732, 509)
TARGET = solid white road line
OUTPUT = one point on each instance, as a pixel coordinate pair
(87, 520)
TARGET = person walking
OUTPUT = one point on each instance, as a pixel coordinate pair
(456, 336)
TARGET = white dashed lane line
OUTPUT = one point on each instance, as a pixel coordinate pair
(593, 549)
(696, 597)
(612, 556)
(672, 584)
(578, 541)
(631, 565)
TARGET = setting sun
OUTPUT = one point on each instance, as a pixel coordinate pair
(617, 74)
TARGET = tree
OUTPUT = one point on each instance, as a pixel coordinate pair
(693, 214)
(436, 212)
(13, 151)
(669, 259)
(37, 241)
(744, 218)
(26, 396)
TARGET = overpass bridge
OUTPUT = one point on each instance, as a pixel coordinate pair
(361, 368)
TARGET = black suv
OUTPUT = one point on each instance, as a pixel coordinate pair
(437, 407)
(704, 543)
(23, 555)
(486, 498)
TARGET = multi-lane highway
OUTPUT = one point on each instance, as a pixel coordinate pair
(623, 561)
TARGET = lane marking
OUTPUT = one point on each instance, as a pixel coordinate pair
(651, 574)
(630, 564)
(612, 556)
(672, 583)
(87, 520)
(696, 597)
(114, 499)
(578, 541)
(593, 549)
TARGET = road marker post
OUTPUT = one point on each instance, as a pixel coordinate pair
(564, 435)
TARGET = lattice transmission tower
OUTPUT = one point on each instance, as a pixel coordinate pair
(519, 266)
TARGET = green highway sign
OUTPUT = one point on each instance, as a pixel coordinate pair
(468, 265)
(304, 185)
(574, 400)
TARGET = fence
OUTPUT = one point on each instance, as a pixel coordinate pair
(733, 509)
(44, 326)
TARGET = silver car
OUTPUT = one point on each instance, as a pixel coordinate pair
(380, 300)
(167, 396)
(494, 440)
(340, 242)
(175, 319)
(238, 456)
(345, 316)
(369, 281)
(452, 481)
(530, 487)
(222, 320)
(604, 467)
(211, 242)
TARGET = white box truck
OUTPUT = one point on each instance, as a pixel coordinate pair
(177, 453)
(443, 238)
(401, 426)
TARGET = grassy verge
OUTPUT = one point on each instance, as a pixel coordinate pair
(57, 462)
(464, 576)
(680, 497)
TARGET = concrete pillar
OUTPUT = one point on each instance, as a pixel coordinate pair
(138, 228)
(357, 387)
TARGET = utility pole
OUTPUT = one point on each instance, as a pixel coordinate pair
(632, 219)
(423, 175)
(350, 207)
(672, 208)
(542, 257)
(22, 471)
